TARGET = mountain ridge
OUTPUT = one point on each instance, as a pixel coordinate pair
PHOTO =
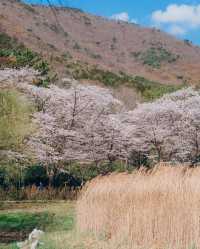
(65, 36)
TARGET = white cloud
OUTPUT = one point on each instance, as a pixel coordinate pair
(133, 20)
(182, 14)
(179, 18)
(123, 16)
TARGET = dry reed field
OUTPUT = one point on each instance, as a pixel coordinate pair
(146, 209)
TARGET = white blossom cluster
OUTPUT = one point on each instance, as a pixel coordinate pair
(86, 123)
(169, 126)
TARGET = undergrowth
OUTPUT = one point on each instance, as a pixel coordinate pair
(155, 56)
(15, 55)
(148, 89)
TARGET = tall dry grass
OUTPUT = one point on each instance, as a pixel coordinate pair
(154, 209)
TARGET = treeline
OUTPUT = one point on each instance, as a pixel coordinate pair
(48, 181)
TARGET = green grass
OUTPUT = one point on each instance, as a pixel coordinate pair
(53, 218)
(24, 221)
(11, 246)
(15, 123)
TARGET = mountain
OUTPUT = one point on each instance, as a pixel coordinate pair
(74, 42)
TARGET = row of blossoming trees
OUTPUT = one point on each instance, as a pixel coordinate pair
(87, 124)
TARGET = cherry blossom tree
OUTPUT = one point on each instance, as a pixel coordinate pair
(87, 124)
(169, 127)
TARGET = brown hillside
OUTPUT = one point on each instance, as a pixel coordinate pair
(114, 46)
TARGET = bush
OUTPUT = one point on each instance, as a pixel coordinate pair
(64, 179)
(42, 67)
(148, 89)
(16, 55)
(35, 175)
(3, 175)
(137, 159)
(154, 56)
(83, 173)
(151, 90)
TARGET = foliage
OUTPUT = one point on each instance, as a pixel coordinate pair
(92, 126)
(35, 174)
(16, 55)
(168, 129)
(3, 183)
(73, 175)
(84, 173)
(149, 90)
(60, 220)
(155, 56)
(138, 159)
(42, 67)
(14, 119)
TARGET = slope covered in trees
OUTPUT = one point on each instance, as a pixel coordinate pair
(86, 123)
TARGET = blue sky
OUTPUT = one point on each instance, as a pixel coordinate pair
(177, 17)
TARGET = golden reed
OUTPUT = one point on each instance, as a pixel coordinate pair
(146, 209)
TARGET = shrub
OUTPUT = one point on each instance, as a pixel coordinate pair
(83, 173)
(151, 90)
(3, 175)
(35, 175)
(155, 56)
(64, 179)
(16, 55)
(137, 159)
(148, 89)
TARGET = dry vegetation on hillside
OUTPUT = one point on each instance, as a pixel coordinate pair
(112, 46)
(55, 135)
(145, 209)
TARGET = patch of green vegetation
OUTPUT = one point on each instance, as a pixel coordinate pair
(151, 90)
(15, 113)
(86, 173)
(54, 218)
(155, 56)
(16, 55)
(62, 222)
(24, 221)
(10, 246)
(80, 71)
(148, 89)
